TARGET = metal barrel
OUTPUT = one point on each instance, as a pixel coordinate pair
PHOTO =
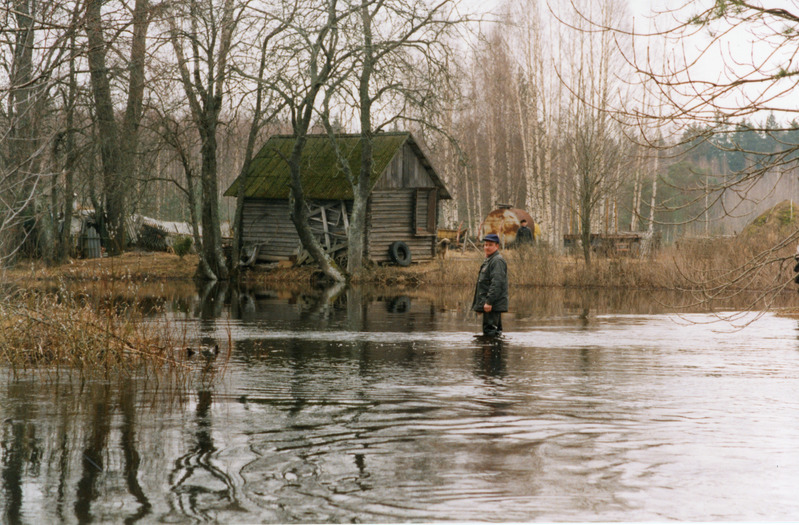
(505, 223)
(91, 243)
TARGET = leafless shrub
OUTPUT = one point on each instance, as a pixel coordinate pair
(59, 331)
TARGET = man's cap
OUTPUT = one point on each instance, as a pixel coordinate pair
(493, 237)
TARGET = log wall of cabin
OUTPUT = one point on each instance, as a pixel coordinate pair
(267, 223)
(392, 218)
(400, 209)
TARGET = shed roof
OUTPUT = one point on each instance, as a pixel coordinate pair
(269, 176)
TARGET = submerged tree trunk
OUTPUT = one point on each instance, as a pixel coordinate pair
(356, 236)
(361, 189)
(320, 65)
(297, 204)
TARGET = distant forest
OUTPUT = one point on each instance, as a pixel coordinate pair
(723, 177)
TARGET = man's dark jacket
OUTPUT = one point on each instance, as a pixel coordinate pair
(524, 235)
(492, 284)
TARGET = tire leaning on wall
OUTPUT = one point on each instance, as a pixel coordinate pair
(399, 253)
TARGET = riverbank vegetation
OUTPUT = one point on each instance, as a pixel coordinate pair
(101, 130)
(59, 331)
(96, 319)
(103, 329)
(697, 265)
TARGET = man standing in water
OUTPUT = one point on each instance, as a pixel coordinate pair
(491, 291)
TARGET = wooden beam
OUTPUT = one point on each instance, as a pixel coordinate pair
(344, 215)
(324, 226)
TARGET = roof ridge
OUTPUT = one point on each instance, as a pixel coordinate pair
(342, 135)
(322, 175)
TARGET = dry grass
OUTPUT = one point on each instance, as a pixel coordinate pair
(739, 263)
(281, 275)
(537, 268)
(729, 264)
(59, 331)
(744, 262)
(130, 266)
(101, 329)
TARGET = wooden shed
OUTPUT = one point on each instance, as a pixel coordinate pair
(403, 205)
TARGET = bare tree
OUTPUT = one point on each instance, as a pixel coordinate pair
(34, 41)
(263, 112)
(118, 141)
(395, 67)
(66, 144)
(593, 137)
(728, 62)
(177, 136)
(311, 53)
(20, 175)
(202, 35)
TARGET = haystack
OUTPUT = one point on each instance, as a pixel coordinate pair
(774, 224)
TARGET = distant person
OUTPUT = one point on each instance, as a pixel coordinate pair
(491, 291)
(524, 236)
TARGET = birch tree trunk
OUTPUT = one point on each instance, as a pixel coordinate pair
(653, 198)
(637, 189)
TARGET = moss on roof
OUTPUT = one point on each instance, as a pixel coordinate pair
(322, 177)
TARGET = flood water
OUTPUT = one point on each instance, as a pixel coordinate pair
(375, 406)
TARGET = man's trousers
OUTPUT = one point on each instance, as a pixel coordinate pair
(492, 323)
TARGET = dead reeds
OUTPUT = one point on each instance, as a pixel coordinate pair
(541, 267)
(56, 331)
(702, 266)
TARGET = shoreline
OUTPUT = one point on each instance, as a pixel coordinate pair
(533, 269)
(543, 275)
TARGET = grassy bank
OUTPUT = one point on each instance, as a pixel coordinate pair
(100, 329)
(130, 266)
(745, 262)
(718, 266)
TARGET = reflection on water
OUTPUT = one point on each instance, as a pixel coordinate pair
(374, 405)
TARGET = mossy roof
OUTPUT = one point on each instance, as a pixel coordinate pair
(322, 178)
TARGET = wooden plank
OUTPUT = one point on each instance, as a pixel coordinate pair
(344, 215)
(432, 207)
(324, 225)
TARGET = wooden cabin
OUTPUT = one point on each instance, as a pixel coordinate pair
(403, 205)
